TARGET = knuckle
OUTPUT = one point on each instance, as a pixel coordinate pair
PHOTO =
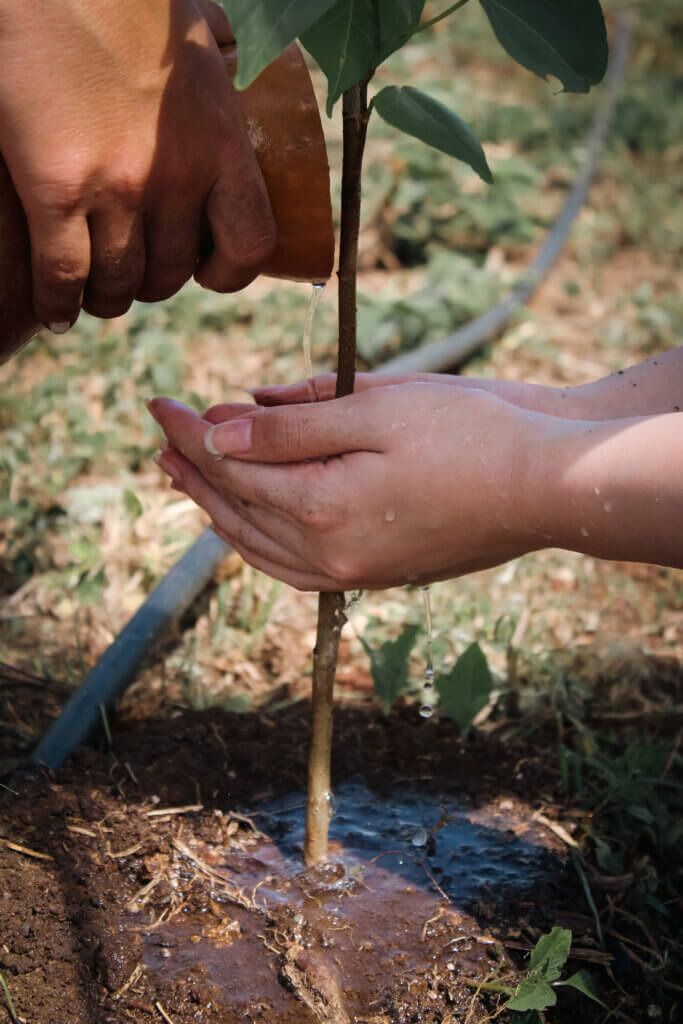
(61, 272)
(319, 515)
(338, 564)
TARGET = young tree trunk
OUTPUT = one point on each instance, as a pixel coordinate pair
(331, 617)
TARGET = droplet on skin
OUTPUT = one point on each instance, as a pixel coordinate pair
(607, 506)
(584, 532)
(389, 515)
(597, 490)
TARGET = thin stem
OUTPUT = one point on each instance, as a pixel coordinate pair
(331, 616)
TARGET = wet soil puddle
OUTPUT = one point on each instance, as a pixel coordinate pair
(391, 904)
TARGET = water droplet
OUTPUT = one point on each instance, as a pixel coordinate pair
(420, 838)
(389, 515)
(607, 506)
(426, 711)
(584, 532)
(597, 490)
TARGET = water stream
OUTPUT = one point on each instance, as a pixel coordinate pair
(427, 706)
(318, 289)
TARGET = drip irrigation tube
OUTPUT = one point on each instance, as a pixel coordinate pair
(117, 667)
(453, 350)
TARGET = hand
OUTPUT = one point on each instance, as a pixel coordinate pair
(122, 134)
(407, 484)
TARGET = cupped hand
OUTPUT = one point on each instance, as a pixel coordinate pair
(404, 483)
(124, 140)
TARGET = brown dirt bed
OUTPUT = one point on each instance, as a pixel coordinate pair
(137, 886)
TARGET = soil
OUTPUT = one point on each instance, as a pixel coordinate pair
(163, 881)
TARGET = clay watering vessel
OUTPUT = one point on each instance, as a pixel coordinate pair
(283, 122)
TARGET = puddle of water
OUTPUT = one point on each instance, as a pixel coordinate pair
(465, 850)
(378, 911)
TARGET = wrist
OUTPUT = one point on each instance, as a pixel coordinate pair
(607, 488)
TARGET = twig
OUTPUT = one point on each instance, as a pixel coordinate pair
(131, 981)
(559, 831)
(162, 1011)
(26, 850)
(168, 812)
(229, 890)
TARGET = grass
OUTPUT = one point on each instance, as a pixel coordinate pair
(8, 997)
(585, 655)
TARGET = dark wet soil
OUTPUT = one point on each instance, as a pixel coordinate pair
(164, 881)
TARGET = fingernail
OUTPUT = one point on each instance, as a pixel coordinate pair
(231, 438)
(151, 407)
(59, 327)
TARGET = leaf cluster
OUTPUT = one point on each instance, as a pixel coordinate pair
(349, 39)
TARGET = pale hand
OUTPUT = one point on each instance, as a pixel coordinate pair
(125, 143)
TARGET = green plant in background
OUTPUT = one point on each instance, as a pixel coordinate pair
(349, 39)
(465, 691)
(537, 990)
(390, 666)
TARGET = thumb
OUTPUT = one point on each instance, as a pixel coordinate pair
(295, 433)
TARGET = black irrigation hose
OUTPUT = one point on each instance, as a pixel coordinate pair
(450, 352)
(117, 667)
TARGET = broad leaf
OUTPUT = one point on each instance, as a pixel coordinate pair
(550, 954)
(430, 121)
(390, 666)
(532, 994)
(264, 28)
(467, 687)
(584, 983)
(564, 38)
(355, 36)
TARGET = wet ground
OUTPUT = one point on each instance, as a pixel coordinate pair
(164, 881)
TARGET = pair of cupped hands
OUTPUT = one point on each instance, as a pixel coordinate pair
(408, 480)
(415, 479)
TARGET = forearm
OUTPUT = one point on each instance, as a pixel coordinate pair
(647, 389)
(613, 490)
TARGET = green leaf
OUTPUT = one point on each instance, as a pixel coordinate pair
(430, 121)
(550, 954)
(390, 666)
(564, 38)
(584, 983)
(467, 687)
(264, 28)
(355, 36)
(532, 994)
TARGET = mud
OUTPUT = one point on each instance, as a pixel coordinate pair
(163, 881)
